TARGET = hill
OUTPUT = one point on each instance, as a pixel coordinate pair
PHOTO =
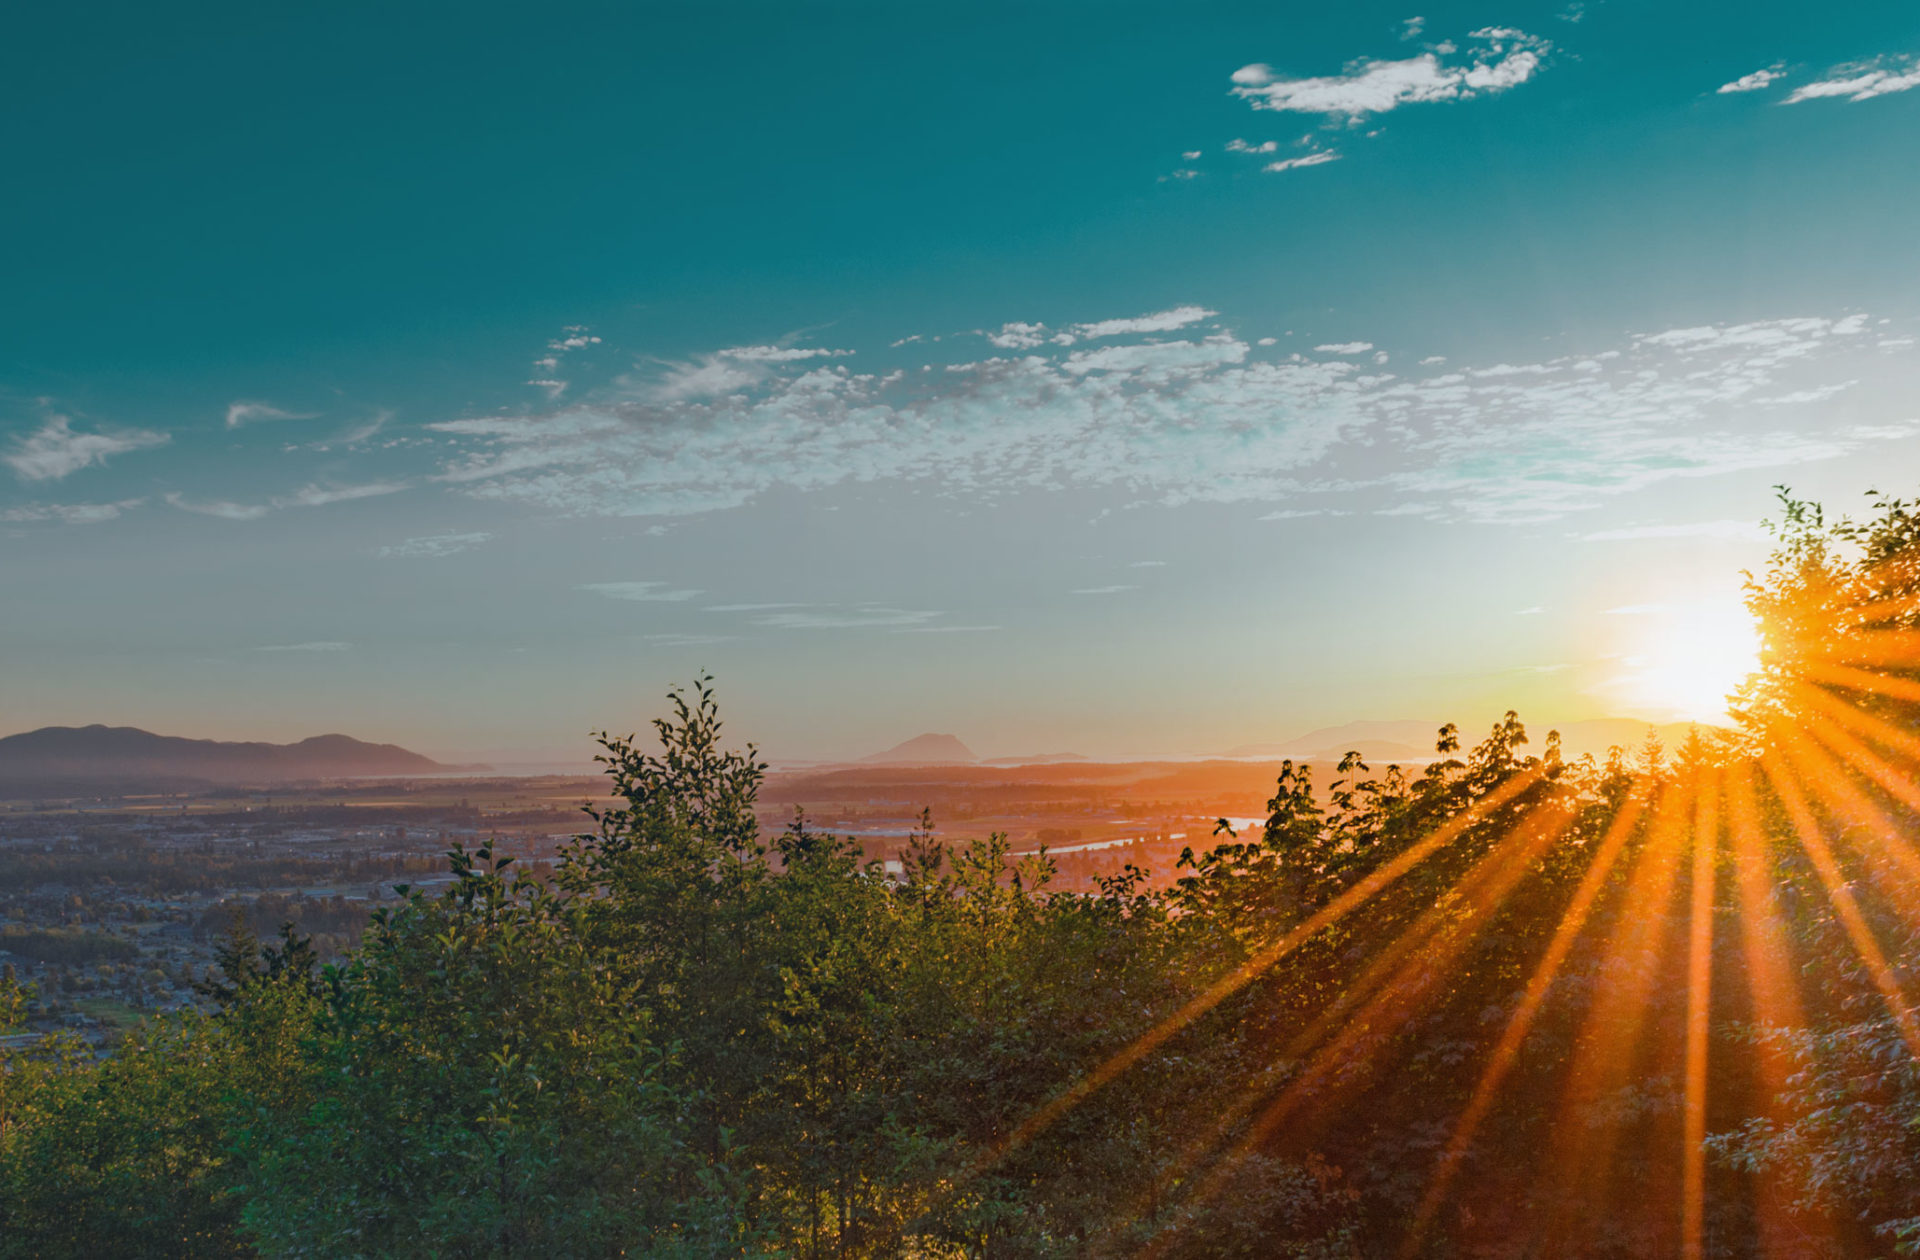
(92, 754)
(924, 750)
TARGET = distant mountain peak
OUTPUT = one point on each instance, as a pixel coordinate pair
(925, 750)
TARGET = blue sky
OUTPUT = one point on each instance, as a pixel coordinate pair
(1112, 377)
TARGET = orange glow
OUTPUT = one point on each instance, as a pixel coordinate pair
(1334, 911)
(1521, 1021)
(1609, 1039)
(1776, 998)
(1845, 907)
(1706, 836)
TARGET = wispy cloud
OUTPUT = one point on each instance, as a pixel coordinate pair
(1497, 59)
(546, 368)
(241, 412)
(1176, 419)
(1345, 347)
(1863, 80)
(320, 496)
(865, 617)
(56, 450)
(308, 496)
(432, 546)
(1025, 336)
(225, 509)
(68, 513)
(317, 645)
(1115, 589)
(730, 371)
(1293, 164)
(365, 430)
(640, 592)
(1755, 81)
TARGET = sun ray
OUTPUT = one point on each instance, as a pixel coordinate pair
(1610, 1035)
(1776, 997)
(1786, 786)
(1520, 1023)
(1839, 789)
(1858, 720)
(1391, 1006)
(1386, 967)
(1859, 680)
(1706, 834)
(1243, 975)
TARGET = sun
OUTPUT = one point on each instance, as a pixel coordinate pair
(1681, 661)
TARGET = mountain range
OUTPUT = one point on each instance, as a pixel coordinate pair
(90, 754)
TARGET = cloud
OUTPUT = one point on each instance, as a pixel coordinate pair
(56, 450)
(1148, 564)
(1115, 589)
(945, 629)
(1500, 58)
(432, 546)
(362, 432)
(320, 496)
(1160, 321)
(1171, 419)
(224, 509)
(1241, 146)
(1312, 159)
(313, 495)
(688, 640)
(730, 371)
(1755, 81)
(641, 592)
(242, 412)
(740, 608)
(1019, 336)
(1411, 28)
(1024, 336)
(1743, 531)
(317, 645)
(1345, 347)
(546, 367)
(1863, 80)
(861, 618)
(68, 513)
